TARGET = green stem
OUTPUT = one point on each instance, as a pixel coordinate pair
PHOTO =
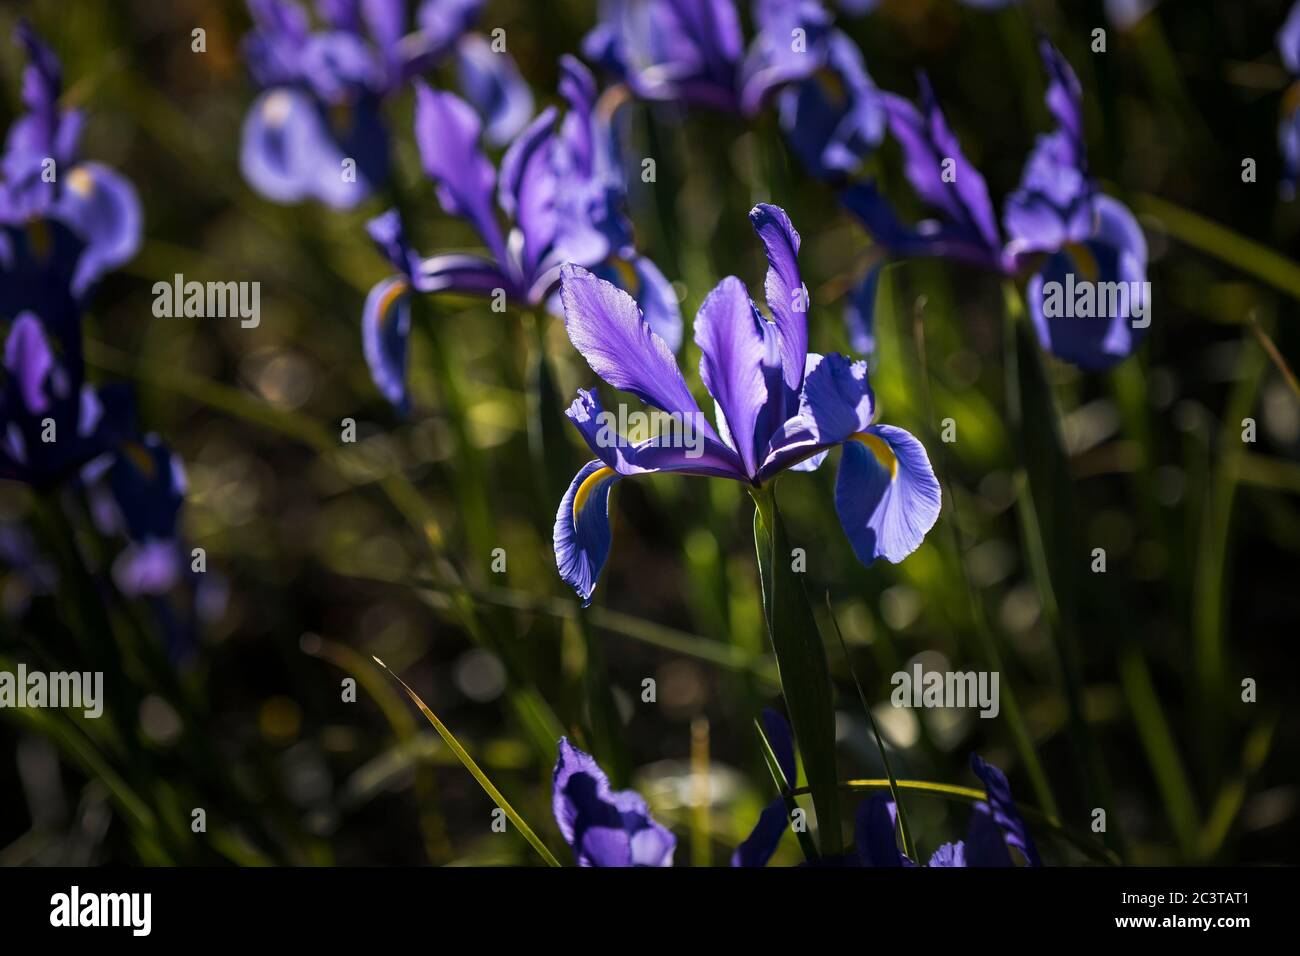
(801, 662)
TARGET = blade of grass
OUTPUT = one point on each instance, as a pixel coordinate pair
(909, 848)
(475, 771)
(786, 789)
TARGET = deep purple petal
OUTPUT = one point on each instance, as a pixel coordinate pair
(763, 840)
(1003, 809)
(873, 833)
(494, 86)
(582, 535)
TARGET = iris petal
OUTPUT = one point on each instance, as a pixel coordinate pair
(738, 347)
(493, 84)
(604, 827)
(102, 208)
(447, 134)
(385, 331)
(787, 298)
(607, 328)
(582, 534)
(886, 494)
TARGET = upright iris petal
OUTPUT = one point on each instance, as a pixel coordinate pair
(447, 133)
(787, 297)
(605, 827)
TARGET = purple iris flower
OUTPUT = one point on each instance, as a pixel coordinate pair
(316, 130)
(835, 117)
(1059, 226)
(605, 827)
(693, 51)
(51, 421)
(779, 408)
(1288, 133)
(144, 485)
(559, 188)
(63, 222)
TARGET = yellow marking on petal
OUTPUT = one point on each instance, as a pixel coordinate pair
(1084, 259)
(140, 457)
(81, 181)
(342, 118)
(394, 292)
(1291, 99)
(880, 448)
(276, 107)
(832, 85)
(630, 280)
(39, 239)
(589, 484)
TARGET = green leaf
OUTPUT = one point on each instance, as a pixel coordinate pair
(801, 663)
(475, 771)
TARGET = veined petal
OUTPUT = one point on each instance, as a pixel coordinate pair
(679, 447)
(385, 331)
(640, 278)
(447, 133)
(102, 208)
(606, 327)
(886, 494)
(739, 348)
(582, 534)
(494, 86)
(949, 855)
(787, 297)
